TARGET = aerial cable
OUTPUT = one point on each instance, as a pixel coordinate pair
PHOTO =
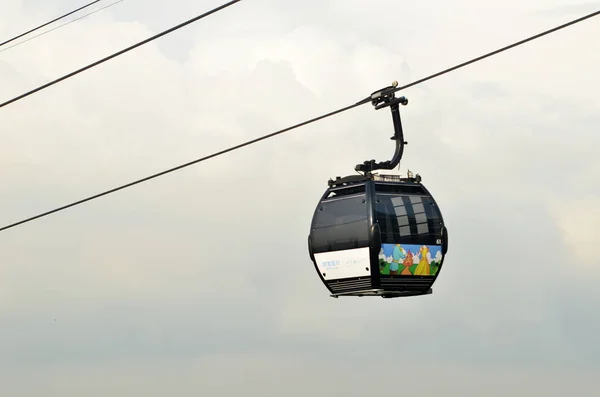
(359, 103)
(214, 10)
(180, 166)
(60, 26)
(48, 23)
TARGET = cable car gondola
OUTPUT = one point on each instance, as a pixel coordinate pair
(378, 235)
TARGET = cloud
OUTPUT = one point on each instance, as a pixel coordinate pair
(577, 219)
(568, 10)
(201, 278)
(288, 375)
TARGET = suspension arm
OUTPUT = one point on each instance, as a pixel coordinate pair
(382, 99)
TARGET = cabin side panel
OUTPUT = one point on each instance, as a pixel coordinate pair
(344, 264)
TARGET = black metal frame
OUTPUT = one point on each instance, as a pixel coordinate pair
(382, 99)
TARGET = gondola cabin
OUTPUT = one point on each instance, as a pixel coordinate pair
(378, 235)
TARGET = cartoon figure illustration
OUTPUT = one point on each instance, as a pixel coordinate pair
(408, 262)
(423, 268)
(409, 259)
(397, 255)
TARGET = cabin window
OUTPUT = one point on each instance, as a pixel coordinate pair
(406, 215)
(346, 191)
(341, 224)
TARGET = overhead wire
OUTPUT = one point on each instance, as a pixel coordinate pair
(116, 54)
(230, 149)
(60, 26)
(48, 23)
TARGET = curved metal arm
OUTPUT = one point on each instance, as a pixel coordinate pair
(381, 99)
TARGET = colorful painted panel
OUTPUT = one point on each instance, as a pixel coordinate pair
(410, 259)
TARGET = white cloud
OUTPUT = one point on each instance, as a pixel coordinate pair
(210, 262)
(577, 219)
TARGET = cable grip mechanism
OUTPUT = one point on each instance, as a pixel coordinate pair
(381, 99)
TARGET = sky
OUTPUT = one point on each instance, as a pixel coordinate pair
(200, 280)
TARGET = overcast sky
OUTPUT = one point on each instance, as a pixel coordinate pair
(200, 281)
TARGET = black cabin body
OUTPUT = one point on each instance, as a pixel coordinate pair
(377, 235)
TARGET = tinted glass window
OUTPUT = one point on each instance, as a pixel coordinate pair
(346, 191)
(341, 224)
(399, 189)
(406, 215)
